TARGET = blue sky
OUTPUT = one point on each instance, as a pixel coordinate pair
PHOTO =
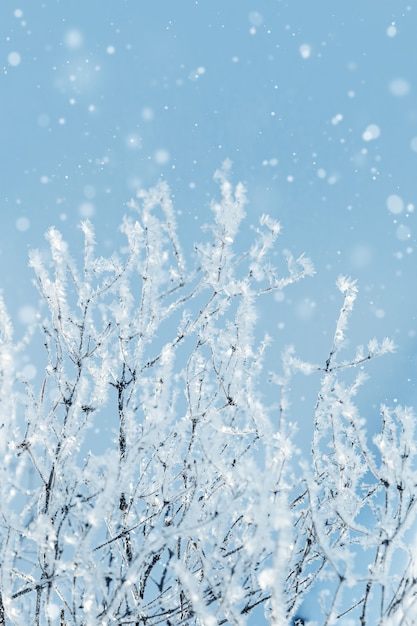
(314, 102)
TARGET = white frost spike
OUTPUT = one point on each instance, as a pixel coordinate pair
(302, 262)
(348, 287)
(273, 225)
(346, 284)
(58, 245)
(6, 328)
(229, 213)
(387, 345)
(307, 265)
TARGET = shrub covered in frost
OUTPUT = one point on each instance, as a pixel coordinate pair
(191, 514)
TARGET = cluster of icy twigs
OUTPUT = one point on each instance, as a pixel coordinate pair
(193, 510)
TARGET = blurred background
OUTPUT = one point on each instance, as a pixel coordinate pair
(314, 102)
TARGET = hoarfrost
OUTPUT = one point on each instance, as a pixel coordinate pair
(193, 512)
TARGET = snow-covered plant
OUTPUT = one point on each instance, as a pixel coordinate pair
(146, 480)
(355, 518)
